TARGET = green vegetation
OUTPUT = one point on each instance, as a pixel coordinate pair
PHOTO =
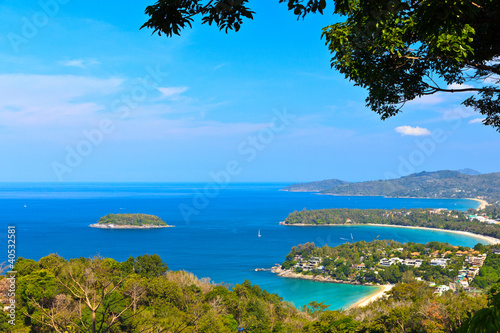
(387, 261)
(439, 184)
(138, 295)
(434, 218)
(142, 295)
(131, 220)
(315, 186)
(398, 50)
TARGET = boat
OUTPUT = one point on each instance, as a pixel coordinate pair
(259, 235)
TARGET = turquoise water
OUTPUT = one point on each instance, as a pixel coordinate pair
(218, 241)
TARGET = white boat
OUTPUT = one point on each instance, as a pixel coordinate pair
(259, 235)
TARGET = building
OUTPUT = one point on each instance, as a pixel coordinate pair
(389, 262)
(413, 262)
(441, 289)
(439, 262)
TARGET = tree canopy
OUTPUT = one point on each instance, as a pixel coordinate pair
(399, 50)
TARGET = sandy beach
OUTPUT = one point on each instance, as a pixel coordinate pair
(381, 290)
(482, 203)
(487, 239)
(373, 297)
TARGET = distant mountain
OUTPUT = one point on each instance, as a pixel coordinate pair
(315, 186)
(438, 184)
(470, 172)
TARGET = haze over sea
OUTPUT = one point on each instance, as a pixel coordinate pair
(220, 242)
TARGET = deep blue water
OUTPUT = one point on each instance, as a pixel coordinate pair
(218, 241)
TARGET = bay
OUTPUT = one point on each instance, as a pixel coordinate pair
(219, 239)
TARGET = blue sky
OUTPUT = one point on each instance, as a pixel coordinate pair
(87, 96)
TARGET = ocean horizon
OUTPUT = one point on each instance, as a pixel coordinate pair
(215, 234)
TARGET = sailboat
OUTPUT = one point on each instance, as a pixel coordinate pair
(259, 235)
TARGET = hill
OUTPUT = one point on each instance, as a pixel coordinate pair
(130, 221)
(142, 295)
(469, 171)
(437, 184)
(315, 186)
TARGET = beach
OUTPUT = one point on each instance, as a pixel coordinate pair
(482, 203)
(373, 297)
(487, 239)
(381, 290)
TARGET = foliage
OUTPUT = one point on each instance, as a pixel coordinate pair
(171, 16)
(448, 220)
(139, 295)
(341, 262)
(315, 186)
(131, 219)
(438, 184)
(49, 299)
(489, 273)
(396, 49)
(487, 319)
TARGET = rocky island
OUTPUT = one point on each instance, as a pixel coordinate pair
(130, 221)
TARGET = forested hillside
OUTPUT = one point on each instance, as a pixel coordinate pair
(438, 184)
(142, 295)
(439, 219)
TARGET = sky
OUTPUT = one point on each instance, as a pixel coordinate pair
(88, 96)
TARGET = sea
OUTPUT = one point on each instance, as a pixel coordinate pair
(216, 233)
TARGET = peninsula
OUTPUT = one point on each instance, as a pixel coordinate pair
(446, 184)
(130, 221)
(482, 226)
(384, 263)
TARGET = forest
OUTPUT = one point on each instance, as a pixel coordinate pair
(131, 219)
(439, 219)
(439, 184)
(142, 295)
(343, 262)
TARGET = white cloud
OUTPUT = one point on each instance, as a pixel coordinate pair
(413, 131)
(219, 66)
(81, 63)
(52, 101)
(427, 100)
(475, 121)
(459, 86)
(171, 92)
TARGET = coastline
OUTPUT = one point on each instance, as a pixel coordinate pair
(114, 226)
(317, 278)
(488, 239)
(378, 293)
(373, 297)
(482, 203)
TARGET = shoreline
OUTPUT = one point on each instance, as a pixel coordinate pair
(373, 297)
(376, 294)
(114, 226)
(482, 203)
(488, 239)
(316, 278)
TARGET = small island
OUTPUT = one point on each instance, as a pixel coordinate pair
(130, 221)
